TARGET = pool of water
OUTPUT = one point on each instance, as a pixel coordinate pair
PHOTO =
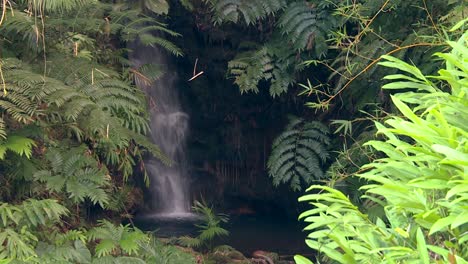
(247, 233)
(250, 233)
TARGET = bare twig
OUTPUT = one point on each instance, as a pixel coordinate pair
(195, 74)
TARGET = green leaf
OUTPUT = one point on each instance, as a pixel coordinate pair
(459, 25)
(441, 224)
(160, 7)
(422, 247)
(301, 260)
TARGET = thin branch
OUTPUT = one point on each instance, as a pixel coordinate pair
(430, 17)
(374, 62)
(371, 21)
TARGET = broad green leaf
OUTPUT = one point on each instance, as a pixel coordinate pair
(301, 260)
(441, 224)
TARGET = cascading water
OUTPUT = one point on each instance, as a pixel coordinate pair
(169, 127)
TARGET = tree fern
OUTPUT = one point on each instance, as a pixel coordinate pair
(298, 153)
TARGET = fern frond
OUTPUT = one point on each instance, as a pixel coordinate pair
(250, 11)
(17, 245)
(150, 40)
(111, 237)
(306, 26)
(76, 174)
(17, 144)
(188, 241)
(55, 5)
(298, 152)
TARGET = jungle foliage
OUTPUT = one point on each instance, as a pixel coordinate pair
(342, 38)
(73, 131)
(420, 181)
(326, 51)
(73, 124)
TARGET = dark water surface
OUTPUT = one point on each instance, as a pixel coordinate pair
(247, 233)
(250, 233)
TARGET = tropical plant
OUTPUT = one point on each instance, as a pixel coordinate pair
(209, 227)
(272, 63)
(338, 40)
(116, 240)
(19, 223)
(243, 10)
(73, 127)
(75, 173)
(157, 252)
(298, 153)
(420, 182)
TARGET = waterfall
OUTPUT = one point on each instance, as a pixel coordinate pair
(169, 128)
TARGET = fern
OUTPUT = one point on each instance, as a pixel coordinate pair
(73, 251)
(158, 252)
(297, 154)
(55, 5)
(209, 228)
(17, 144)
(150, 40)
(17, 245)
(112, 239)
(17, 241)
(306, 26)
(270, 63)
(75, 174)
(249, 11)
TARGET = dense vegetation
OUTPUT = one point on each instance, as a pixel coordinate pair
(74, 125)
(420, 181)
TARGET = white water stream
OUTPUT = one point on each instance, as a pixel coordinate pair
(169, 128)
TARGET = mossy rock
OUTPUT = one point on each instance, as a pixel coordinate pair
(227, 255)
(273, 256)
(260, 254)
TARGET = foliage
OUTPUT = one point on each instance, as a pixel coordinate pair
(209, 227)
(271, 63)
(73, 128)
(420, 182)
(306, 25)
(112, 239)
(298, 152)
(301, 23)
(233, 11)
(77, 174)
(18, 223)
(17, 144)
(157, 252)
(338, 41)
